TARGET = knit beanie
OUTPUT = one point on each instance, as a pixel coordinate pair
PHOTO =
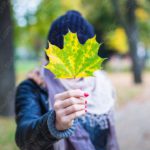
(74, 22)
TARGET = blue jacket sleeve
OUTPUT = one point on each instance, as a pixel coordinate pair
(35, 131)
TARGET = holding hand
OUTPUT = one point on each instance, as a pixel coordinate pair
(68, 106)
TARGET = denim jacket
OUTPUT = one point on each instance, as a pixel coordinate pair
(36, 128)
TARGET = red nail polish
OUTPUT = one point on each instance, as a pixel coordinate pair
(86, 102)
(85, 110)
(86, 94)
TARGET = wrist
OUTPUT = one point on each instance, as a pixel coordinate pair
(51, 122)
(58, 127)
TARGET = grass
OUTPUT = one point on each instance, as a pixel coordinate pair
(7, 130)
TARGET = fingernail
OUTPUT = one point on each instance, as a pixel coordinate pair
(86, 94)
(85, 110)
(85, 106)
(86, 102)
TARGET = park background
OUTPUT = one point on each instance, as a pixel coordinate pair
(123, 26)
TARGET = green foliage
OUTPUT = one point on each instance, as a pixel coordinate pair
(33, 35)
(75, 60)
(143, 20)
(104, 19)
(100, 13)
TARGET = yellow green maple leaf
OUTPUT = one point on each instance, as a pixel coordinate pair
(75, 60)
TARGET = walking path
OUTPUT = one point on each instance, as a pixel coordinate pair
(133, 126)
(133, 121)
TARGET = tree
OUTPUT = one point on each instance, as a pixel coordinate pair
(130, 26)
(7, 76)
(109, 15)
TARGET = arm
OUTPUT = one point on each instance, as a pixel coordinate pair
(34, 130)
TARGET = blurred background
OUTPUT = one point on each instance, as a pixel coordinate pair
(123, 26)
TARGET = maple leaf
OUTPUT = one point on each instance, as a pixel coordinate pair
(75, 60)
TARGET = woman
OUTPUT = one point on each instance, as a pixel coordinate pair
(56, 114)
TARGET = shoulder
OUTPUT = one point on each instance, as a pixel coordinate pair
(26, 86)
(27, 95)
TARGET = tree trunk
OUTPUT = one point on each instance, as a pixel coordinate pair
(137, 66)
(132, 34)
(7, 76)
(129, 24)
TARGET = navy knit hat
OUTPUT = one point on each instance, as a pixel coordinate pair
(74, 22)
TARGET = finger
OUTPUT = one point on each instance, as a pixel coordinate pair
(75, 115)
(59, 104)
(70, 93)
(71, 101)
(73, 108)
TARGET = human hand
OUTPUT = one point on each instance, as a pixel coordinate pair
(35, 75)
(68, 106)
